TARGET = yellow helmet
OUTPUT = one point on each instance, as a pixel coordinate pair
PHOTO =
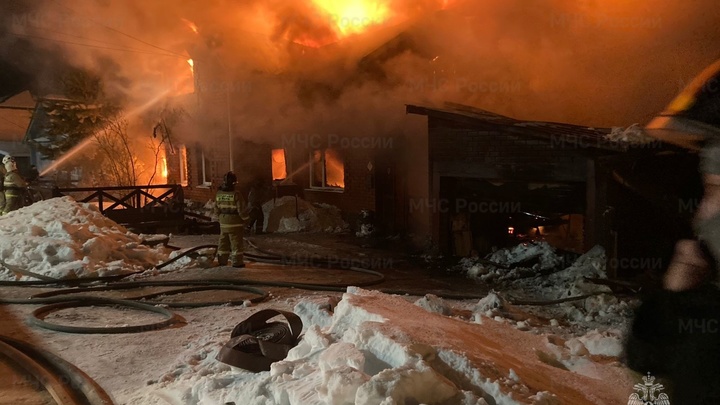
(694, 115)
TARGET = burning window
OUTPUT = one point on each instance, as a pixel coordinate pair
(279, 164)
(183, 166)
(327, 169)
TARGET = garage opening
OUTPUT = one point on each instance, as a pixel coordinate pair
(486, 214)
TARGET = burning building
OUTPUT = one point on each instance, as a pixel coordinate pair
(311, 97)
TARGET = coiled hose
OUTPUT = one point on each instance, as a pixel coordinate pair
(59, 299)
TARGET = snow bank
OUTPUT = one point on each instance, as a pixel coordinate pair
(280, 216)
(572, 280)
(60, 238)
(378, 349)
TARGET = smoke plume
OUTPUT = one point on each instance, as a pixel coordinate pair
(290, 67)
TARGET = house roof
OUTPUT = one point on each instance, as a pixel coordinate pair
(593, 138)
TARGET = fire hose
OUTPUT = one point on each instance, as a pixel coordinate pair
(67, 384)
(58, 300)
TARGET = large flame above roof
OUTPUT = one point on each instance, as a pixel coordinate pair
(354, 16)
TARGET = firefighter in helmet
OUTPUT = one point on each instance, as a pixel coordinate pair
(13, 186)
(232, 215)
(675, 332)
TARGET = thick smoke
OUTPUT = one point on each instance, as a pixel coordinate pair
(590, 62)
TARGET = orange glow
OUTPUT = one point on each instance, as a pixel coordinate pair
(334, 169)
(354, 16)
(164, 169)
(191, 25)
(447, 3)
(279, 167)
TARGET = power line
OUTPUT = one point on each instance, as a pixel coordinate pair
(89, 39)
(118, 31)
(13, 123)
(95, 46)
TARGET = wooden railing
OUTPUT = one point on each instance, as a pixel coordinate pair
(133, 205)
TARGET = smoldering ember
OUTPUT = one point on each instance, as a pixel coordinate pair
(377, 202)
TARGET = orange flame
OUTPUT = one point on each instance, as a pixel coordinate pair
(354, 16)
(164, 170)
(334, 169)
(279, 169)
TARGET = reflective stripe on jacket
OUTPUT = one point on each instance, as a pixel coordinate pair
(13, 184)
(229, 205)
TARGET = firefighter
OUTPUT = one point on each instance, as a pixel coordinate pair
(676, 331)
(232, 215)
(13, 186)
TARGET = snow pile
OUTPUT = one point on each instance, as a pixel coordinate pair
(632, 135)
(60, 238)
(526, 252)
(540, 280)
(435, 304)
(604, 306)
(519, 261)
(580, 355)
(490, 304)
(282, 216)
(598, 308)
(365, 230)
(377, 349)
(572, 280)
(605, 343)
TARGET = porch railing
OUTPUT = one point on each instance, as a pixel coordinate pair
(133, 205)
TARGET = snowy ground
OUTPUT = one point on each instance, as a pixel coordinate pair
(359, 347)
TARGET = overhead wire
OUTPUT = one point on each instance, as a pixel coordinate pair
(94, 46)
(92, 39)
(117, 31)
(12, 123)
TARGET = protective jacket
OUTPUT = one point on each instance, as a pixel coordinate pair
(13, 187)
(230, 207)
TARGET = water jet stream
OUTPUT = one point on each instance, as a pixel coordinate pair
(85, 142)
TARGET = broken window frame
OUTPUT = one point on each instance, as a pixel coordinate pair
(323, 160)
